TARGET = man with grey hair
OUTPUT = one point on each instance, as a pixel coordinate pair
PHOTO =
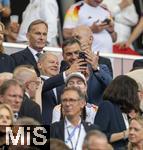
(72, 129)
(29, 80)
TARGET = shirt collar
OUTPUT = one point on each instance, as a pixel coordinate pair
(33, 51)
(44, 77)
(69, 124)
(27, 94)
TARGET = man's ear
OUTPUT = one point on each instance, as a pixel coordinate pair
(1, 99)
(27, 36)
(39, 65)
(83, 103)
(91, 39)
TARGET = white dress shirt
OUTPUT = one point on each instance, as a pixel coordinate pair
(77, 135)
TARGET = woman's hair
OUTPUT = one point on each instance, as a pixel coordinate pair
(27, 121)
(139, 119)
(6, 106)
(123, 91)
(2, 32)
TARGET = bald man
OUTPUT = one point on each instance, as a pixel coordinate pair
(28, 78)
(84, 34)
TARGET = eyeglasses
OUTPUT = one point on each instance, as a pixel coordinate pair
(71, 101)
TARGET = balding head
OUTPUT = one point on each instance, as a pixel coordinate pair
(5, 76)
(84, 34)
(24, 74)
(28, 77)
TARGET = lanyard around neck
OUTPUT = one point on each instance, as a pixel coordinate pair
(70, 135)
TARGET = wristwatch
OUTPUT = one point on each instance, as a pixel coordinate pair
(97, 69)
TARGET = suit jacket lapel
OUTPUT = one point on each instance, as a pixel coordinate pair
(59, 90)
(54, 97)
(121, 121)
(61, 131)
(28, 55)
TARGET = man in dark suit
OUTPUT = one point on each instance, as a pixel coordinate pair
(37, 36)
(31, 103)
(48, 65)
(31, 109)
(72, 129)
(12, 93)
(98, 75)
(84, 34)
(33, 90)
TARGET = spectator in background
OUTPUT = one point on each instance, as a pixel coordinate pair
(5, 76)
(121, 102)
(30, 82)
(98, 75)
(134, 35)
(90, 13)
(11, 33)
(77, 79)
(17, 8)
(46, 10)
(37, 36)
(6, 119)
(96, 140)
(11, 92)
(56, 144)
(73, 102)
(136, 134)
(137, 75)
(6, 115)
(6, 62)
(5, 8)
(125, 17)
(84, 34)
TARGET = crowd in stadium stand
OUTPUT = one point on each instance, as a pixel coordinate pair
(77, 98)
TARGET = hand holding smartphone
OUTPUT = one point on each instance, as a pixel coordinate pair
(107, 21)
(82, 56)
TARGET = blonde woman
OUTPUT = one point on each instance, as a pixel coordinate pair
(136, 134)
(6, 61)
(6, 119)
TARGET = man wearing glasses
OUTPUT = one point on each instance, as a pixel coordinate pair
(72, 129)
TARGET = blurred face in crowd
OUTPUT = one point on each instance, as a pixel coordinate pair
(96, 143)
(14, 97)
(71, 53)
(136, 132)
(84, 35)
(12, 32)
(5, 117)
(78, 83)
(49, 65)
(93, 3)
(5, 76)
(1, 34)
(71, 103)
(32, 84)
(140, 94)
(37, 36)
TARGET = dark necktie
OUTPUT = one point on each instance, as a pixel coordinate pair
(38, 55)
